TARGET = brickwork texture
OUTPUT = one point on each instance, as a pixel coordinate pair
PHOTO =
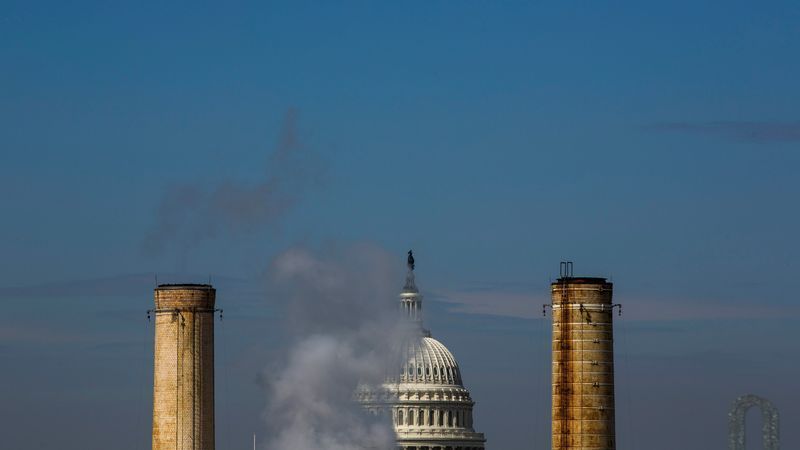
(183, 388)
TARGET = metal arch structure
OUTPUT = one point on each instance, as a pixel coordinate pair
(769, 417)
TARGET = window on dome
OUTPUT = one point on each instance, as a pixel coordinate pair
(411, 370)
(427, 371)
(419, 371)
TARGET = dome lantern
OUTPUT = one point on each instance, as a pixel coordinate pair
(410, 298)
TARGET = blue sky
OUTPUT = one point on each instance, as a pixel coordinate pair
(653, 143)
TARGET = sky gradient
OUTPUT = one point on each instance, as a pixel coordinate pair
(655, 144)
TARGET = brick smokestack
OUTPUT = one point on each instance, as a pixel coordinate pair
(583, 364)
(183, 388)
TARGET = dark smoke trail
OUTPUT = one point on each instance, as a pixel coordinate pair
(194, 212)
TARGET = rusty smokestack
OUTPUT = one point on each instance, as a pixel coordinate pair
(583, 363)
(183, 382)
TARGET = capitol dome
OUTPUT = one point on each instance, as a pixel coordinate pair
(429, 405)
(426, 360)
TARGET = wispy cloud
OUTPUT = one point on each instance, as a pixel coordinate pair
(96, 287)
(742, 131)
(529, 306)
(114, 286)
(39, 335)
(494, 303)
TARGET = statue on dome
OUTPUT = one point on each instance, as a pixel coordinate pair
(411, 260)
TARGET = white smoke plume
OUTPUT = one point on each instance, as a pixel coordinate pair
(193, 212)
(344, 323)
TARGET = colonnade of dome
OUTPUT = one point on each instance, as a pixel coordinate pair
(433, 417)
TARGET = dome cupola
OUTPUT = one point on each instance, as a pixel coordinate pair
(410, 298)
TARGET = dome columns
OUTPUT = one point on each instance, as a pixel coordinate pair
(433, 417)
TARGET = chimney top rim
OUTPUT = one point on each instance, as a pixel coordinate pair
(581, 280)
(189, 286)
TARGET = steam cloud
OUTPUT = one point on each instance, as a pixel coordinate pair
(193, 212)
(344, 327)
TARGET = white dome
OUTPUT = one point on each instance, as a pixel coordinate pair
(426, 360)
(428, 404)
